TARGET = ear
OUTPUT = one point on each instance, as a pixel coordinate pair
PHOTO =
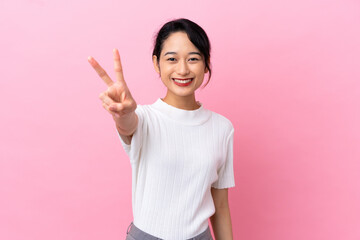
(156, 65)
(206, 69)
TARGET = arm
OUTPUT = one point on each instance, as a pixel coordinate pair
(127, 127)
(221, 220)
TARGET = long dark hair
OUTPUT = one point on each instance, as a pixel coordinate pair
(196, 35)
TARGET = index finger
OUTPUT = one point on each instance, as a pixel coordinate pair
(102, 73)
(118, 67)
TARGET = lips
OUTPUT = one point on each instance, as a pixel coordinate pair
(183, 82)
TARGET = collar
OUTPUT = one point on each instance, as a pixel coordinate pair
(182, 116)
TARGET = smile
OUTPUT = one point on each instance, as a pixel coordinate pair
(182, 82)
(186, 80)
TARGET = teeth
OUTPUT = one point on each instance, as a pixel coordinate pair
(182, 81)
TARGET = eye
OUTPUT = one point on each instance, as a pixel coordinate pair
(195, 59)
(170, 59)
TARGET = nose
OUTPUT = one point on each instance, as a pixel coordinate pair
(182, 68)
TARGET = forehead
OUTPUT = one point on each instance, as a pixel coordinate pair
(178, 42)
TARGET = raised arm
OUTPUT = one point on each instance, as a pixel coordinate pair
(117, 99)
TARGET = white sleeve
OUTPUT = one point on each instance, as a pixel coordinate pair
(226, 171)
(133, 149)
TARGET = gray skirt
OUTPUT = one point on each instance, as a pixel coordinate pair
(137, 234)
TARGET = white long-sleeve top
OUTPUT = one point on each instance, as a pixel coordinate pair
(176, 156)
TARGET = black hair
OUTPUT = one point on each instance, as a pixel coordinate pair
(195, 33)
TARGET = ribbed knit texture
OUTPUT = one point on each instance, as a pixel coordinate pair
(176, 156)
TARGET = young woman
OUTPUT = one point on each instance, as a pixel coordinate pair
(181, 153)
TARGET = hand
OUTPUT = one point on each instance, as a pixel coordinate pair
(117, 99)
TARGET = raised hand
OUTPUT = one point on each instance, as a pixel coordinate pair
(117, 99)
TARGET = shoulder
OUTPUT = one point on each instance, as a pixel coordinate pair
(223, 122)
(142, 113)
(142, 108)
(145, 111)
(226, 122)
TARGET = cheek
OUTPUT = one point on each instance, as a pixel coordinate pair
(165, 70)
(199, 71)
(198, 68)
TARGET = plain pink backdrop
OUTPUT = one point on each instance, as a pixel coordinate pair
(286, 73)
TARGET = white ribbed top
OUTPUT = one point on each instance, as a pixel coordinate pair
(176, 156)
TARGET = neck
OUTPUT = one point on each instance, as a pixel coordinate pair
(182, 102)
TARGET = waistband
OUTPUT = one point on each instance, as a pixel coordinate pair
(138, 234)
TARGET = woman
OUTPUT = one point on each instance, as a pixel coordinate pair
(181, 153)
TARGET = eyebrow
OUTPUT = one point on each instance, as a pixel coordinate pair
(176, 53)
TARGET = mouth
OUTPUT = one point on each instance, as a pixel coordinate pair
(182, 80)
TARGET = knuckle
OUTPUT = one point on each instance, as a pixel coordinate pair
(118, 69)
(108, 101)
(102, 73)
(120, 87)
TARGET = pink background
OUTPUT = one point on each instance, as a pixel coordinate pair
(286, 73)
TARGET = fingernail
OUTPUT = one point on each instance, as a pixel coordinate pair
(89, 58)
(114, 50)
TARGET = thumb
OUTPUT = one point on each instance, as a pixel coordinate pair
(116, 107)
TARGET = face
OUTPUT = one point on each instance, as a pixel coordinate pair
(180, 59)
